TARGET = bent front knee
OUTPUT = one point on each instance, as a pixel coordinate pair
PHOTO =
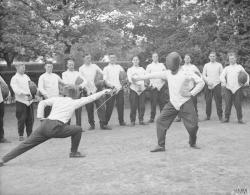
(78, 129)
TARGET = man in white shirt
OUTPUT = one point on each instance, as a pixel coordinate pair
(111, 76)
(211, 75)
(158, 88)
(69, 77)
(56, 125)
(89, 71)
(232, 87)
(180, 100)
(136, 92)
(48, 84)
(24, 107)
(187, 66)
(2, 139)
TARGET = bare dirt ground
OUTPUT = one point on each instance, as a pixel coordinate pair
(119, 161)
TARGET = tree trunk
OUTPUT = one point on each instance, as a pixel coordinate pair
(66, 54)
(9, 58)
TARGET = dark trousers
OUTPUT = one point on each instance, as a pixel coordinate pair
(25, 117)
(78, 114)
(100, 112)
(47, 111)
(158, 97)
(47, 129)
(1, 120)
(195, 102)
(231, 98)
(209, 94)
(137, 102)
(119, 98)
(188, 115)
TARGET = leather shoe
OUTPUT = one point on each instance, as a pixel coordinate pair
(241, 122)
(195, 146)
(142, 123)
(106, 127)
(158, 149)
(226, 120)
(21, 138)
(123, 124)
(92, 127)
(76, 155)
(3, 140)
(207, 118)
(151, 120)
(132, 124)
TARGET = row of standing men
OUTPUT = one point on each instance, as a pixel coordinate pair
(48, 85)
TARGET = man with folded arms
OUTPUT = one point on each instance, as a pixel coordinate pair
(136, 92)
(211, 75)
(56, 125)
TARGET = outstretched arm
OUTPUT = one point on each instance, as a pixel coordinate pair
(86, 100)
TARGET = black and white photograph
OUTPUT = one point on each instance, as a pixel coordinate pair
(124, 97)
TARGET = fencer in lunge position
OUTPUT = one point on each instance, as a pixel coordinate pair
(55, 126)
(180, 100)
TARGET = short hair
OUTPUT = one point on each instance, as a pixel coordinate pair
(155, 53)
(232, 53)
(212, 52)
(187, 54)
(136, 57)
(112, 54)
(19, 64)
(69, 59)
(71, 91)
(48, 62)
(86, 54)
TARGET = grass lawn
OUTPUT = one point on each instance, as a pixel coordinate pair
(119, 161)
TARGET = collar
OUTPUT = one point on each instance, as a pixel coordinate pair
(20, 75)
(112, 64)
(87, 64)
